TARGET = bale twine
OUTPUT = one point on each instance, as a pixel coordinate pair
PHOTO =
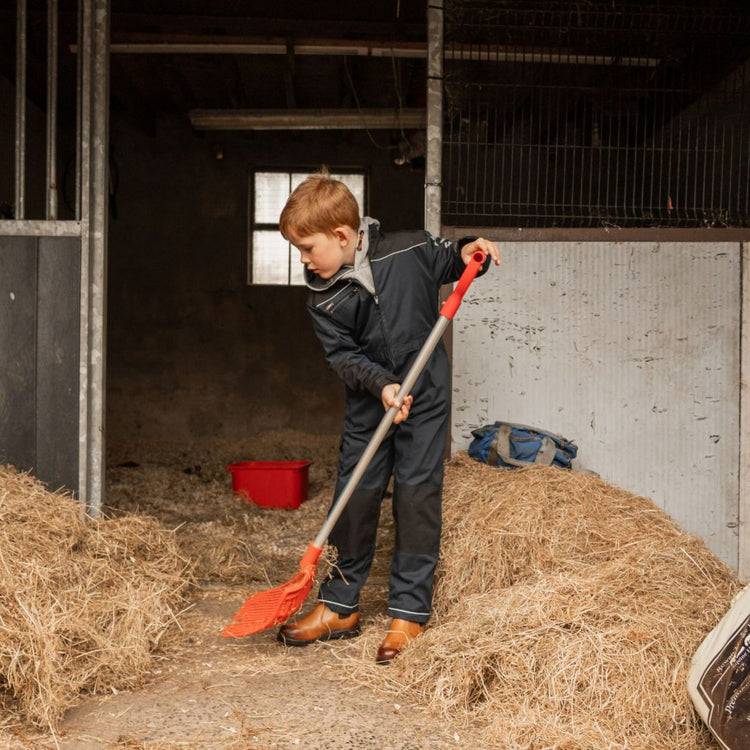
(566, 614)
(82, 603)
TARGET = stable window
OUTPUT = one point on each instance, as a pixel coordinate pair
(271, 259)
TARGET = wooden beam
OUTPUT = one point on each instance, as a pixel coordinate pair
(308, 119)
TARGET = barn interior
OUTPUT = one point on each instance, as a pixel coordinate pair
(551, 111)
(194, 351)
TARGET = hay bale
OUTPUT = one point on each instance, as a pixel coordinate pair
(82, 603)
(566, 613)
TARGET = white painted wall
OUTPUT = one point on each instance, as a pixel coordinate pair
(632, 350)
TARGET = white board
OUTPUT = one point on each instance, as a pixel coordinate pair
(629, 349)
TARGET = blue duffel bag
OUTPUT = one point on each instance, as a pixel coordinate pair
(509, 445)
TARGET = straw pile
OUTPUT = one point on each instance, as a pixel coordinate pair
(566, 614)
(82, 604)
(227, 539)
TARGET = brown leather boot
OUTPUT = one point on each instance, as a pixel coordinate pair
(399, 634)
(322, 624)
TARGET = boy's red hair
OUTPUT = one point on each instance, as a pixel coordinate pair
(319, 204)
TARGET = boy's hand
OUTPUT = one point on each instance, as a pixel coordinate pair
(486, 246)
(389, 397)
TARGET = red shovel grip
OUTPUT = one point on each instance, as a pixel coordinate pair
(448, 310)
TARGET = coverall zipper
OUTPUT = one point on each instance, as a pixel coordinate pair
(383, 331)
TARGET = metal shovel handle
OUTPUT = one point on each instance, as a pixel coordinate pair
(447, 311)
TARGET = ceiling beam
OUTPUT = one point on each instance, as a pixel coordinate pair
(267, 46)
(308, 119)
(492, 53)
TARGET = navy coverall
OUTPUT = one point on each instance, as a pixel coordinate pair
(371, 339)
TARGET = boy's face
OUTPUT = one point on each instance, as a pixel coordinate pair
(324, 254)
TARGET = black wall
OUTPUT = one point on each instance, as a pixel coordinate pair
(193, 351)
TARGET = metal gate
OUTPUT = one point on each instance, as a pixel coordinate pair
(619, 114)
(53, 276)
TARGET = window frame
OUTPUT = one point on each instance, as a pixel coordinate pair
(252, 226)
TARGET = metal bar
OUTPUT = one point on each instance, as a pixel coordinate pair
(548, 195)
(434, 122)
(539, 149)
(97, 250)
(556, 152)
(743, 567)
(367, 48)
(743, 106)
(659, 197)
(646, 151)
(671, 195)
(307, 119)
(722, 158)
(449, 201)
(707, 201)
(477, 145)
(80, 136)
(576, 214)
(20, 145)
(40, 228)
(599, 234)
(744, 149)
(513, 153)
(52, 109)
(689, 169)
(83, 172)
(493, 191)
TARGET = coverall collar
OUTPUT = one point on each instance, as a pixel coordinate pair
(360, 272)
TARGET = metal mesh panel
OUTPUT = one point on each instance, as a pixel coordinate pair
(596, 114)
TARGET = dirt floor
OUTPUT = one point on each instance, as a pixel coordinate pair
(255, 693)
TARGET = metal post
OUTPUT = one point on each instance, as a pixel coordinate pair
(98, 206)
(433, 162)
(94, 147)
(83, 127)
(743, 564)
(52, 109)
(81, 137)
(20, 162)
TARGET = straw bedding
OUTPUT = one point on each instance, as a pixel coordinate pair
(566, 610)
(228, 540)
(82, 604)
(566, 614)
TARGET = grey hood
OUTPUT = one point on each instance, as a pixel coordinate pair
(359, 272)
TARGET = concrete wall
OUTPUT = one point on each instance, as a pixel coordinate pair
(631, 349)
(193, 352)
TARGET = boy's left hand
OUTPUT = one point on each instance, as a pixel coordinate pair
(486, 246)
(389, 397)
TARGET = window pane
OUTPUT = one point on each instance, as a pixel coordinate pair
(270, 258)
(273, 259)
(297, 177)
(271, 192)
(297, 275)
(355, 183)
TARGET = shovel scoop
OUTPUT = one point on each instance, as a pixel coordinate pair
(274, 606)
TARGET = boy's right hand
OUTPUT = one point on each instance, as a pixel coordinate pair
(485, 246)
(389, 396)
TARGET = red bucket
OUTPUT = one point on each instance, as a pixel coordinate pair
(278, 484)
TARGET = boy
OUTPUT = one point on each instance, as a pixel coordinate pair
(374, 300)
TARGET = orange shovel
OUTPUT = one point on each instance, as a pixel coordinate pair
(268, 608)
